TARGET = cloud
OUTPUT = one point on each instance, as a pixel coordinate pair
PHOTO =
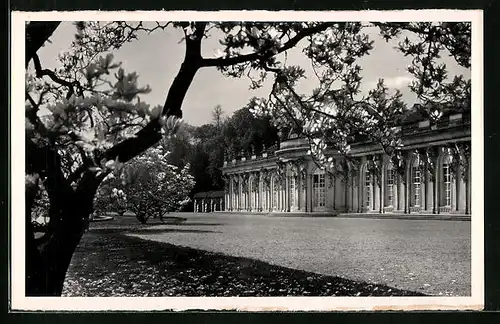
(398, 82)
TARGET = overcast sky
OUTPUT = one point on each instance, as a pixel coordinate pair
(157, 58)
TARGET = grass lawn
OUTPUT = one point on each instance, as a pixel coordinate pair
(429, 256)
(109, 263)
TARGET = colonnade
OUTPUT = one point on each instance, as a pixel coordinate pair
(205, 205)
(431, 180)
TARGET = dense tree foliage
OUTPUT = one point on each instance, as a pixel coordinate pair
(205, 147)
(97, 121)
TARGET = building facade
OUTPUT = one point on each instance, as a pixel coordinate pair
(209, 201)
(432, 177)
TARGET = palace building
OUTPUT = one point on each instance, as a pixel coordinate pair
(432, 177)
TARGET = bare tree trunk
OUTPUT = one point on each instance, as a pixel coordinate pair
(141, 217)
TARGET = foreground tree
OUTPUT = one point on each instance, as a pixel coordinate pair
(96, 123)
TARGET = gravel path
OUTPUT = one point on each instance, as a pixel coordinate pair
(429, 256)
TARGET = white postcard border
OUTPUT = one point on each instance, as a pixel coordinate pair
(22, 303)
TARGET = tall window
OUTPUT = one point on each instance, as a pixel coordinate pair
(264, 196)
(255, 185)
(275, 193)
(267, 200)
(368, 187)
(293, 194)
(233, 196)
(319, 189)
(447, 183)
(417, 180)
(390, 187)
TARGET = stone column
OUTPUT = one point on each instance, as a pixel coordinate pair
(286, 207)
(265, 194)
(346, 193)
(408, 186)
(399, 190)
(257, 192)
(468, 197)
(309, 192)
(373, 198)
(244, 193)
(300, 192)
(438, 186)
(240, 193)
(352, 206)
(423, 190)
(361, 185)
(227, 205)
(249, 193)
(230, 207)
(280, 195)
(334, 190)
(228, 197)
(350, 179)
(460, 193)
(456, 189)
(425, 176)
(382, 188)
(261, 190)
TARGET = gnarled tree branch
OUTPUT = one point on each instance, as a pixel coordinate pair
(259, 56)
(41, 72)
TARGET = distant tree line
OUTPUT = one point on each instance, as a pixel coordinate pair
(205, 147)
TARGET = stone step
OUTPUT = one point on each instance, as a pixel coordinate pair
(454, 217)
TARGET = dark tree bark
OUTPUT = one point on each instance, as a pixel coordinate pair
(48, 257)
(37, 33)
(141, 217)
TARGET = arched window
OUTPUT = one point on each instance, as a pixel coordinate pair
(447, 181)
(367, 184)
(254, 187)
(416, 177)
(234, 195)
(389, 185)
(319, 188)
(275, 192)
(293, 192)
(265, 192)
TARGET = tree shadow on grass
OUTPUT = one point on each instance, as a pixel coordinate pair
(119, 231)
(169, 230)
(198, 224)
(110, 264)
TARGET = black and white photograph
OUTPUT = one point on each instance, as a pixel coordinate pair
(273, 160)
